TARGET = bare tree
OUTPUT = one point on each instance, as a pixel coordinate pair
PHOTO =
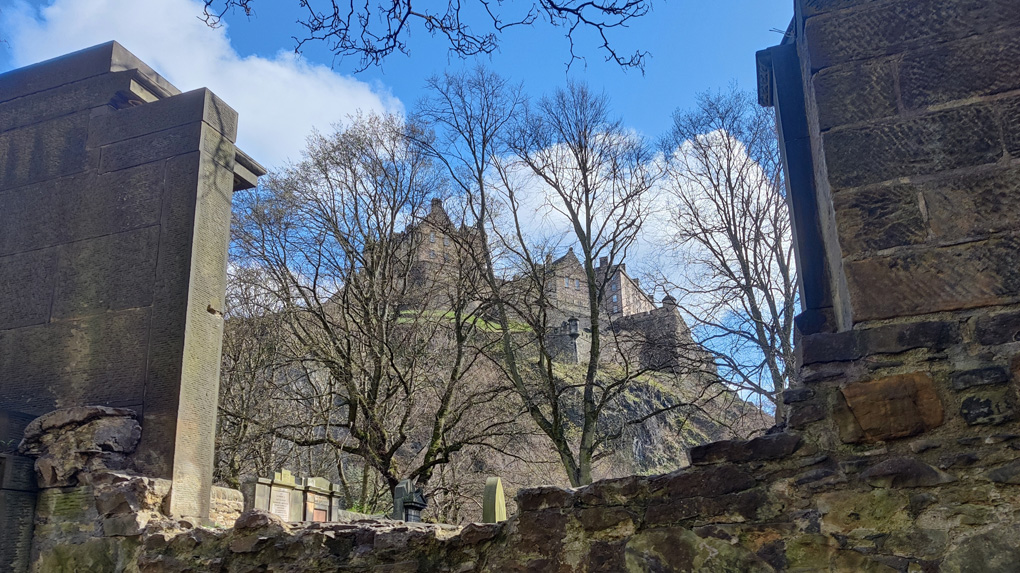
(380, 331)
(731, 231)
(596, 174)
(374, 31)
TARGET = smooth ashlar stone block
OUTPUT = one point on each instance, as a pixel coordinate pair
(63, 100)
(26, 288)
(102, 360)
(44, 150)
(111, 272)
(184, 109)
(80, 207)
(152, 147)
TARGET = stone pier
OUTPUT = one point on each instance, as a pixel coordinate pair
(115, 193)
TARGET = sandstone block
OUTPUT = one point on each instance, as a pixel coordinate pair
(830, 347)
(980, 377)
(151, 147)
(127, 278)
(879, 217)
(768, 447)
(883, 28)
(709, 482)
(87, 63)
(969, 275)
(26, 286)
(79, 207)
(853, 92)
(999, 328)
(164, 114)
(938, 141)
(904, 472)
(543, 497)
(893, 338)
(1011, 125)
(891, 407)
(63, 100)
(814, 7)
(44, 150)
(974, 66)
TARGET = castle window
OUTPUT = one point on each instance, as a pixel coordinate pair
(614, 286)
(616, 308)
(566, 282)
(432, 237)
(615, 298)
(446, 241)
(432, 254)
(577, 284)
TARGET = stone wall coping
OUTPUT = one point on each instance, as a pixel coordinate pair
(77, 66)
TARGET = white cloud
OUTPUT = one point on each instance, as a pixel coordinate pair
(279, 100)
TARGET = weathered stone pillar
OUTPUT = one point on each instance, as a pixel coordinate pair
(115, 193)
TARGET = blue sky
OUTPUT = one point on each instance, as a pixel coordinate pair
(695, 45)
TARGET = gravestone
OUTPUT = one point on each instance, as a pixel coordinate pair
(115, 193)
(404, 489)
(280, 496)
(493, 501)
(295, 499)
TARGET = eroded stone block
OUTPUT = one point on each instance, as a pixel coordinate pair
(891, 407)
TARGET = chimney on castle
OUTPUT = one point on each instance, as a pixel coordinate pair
(603, 261)
(437, 204)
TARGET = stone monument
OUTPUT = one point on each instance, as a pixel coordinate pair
(115, 193)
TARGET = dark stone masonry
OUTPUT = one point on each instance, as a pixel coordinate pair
(115, 194)
(900, 452)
